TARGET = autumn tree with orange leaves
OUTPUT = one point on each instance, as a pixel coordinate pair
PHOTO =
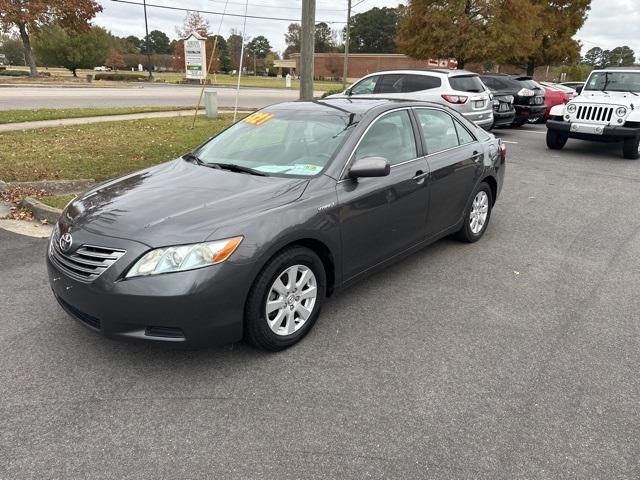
(29, 16)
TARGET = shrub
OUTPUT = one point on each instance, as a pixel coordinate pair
(121, 77)
(14, 73)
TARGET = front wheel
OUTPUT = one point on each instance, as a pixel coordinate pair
(285, 299)
(631, 148)
(556, 140)
(477, 215)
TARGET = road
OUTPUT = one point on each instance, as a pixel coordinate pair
(513, 358)
(143, 95)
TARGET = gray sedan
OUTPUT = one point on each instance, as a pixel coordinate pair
(245, 236)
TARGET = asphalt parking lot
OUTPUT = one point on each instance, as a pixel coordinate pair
(515, 357)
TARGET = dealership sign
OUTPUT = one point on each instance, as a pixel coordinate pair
(195, 60)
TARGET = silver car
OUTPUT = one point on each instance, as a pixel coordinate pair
(459, 89)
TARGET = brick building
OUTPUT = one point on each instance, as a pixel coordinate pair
(329, 65)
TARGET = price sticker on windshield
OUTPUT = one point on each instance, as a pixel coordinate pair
(258, 118)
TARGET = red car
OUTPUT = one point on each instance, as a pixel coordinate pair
(554, 95)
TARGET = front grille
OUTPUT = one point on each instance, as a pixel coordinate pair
(594, 113)
(93, 322)
(87, 263)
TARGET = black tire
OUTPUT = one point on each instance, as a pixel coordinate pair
(631, 148)
(556, 140)
(466, 234)
(517, 124)
(256, 329)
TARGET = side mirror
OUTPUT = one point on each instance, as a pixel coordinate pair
(579, 89)
(347, 92)
(370, 167)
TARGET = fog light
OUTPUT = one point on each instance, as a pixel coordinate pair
(567, 117)
(598, 129)
(620, 120)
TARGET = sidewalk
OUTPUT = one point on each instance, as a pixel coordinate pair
(13, 127)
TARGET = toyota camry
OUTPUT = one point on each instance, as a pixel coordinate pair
(246, 235)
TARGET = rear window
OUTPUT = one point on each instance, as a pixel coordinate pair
(468, 83)
(530, 84)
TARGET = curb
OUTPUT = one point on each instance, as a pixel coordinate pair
(56, 187)
(41, 211)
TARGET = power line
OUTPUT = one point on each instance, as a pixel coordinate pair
(268, 5)
(256, 17)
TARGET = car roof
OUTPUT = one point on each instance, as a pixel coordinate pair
(350, 105)
(619, 69)
(410, 71)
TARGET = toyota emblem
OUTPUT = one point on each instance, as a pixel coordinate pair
(65, 242)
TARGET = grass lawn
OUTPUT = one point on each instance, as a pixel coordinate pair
(57, 201)
(102, 150)
(15, 116)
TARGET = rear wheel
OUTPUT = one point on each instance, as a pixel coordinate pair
(285, 299)
(556, 140)
(631, 148)
(477, 215)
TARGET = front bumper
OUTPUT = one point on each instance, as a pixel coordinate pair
(584, 131)
(198, 307)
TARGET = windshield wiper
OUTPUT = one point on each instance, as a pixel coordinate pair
(633, 93)
(193, 158)
(239, 168)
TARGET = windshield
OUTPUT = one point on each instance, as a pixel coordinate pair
(280, 142)
(614, 81)
(469, 83)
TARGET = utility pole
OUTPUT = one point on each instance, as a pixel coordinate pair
(345, 68)
(306, 49)
(146, 41)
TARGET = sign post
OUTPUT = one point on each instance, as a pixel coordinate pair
(195, 60)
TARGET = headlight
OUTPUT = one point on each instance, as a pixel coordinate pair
(184, 257)
(571, 108)
(621, 111)
(509, 98)
(525, 92)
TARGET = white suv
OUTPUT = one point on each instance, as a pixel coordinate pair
(459, 89)
(607, 110)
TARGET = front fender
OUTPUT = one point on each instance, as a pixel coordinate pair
(634, 116)
(557, 111)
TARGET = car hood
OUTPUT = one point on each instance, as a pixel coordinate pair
(178, 202)
(614, 98)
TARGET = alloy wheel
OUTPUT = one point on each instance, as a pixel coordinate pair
(291, 300)
(479, 212)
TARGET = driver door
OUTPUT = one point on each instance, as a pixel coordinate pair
(383, 216)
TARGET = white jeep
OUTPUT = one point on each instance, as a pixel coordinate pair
(607, 110)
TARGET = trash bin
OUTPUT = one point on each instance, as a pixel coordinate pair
(211, 103)
(89, 78)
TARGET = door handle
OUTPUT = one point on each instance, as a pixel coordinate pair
(476, 156)
(420, 176)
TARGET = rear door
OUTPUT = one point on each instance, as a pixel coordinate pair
(454, 157)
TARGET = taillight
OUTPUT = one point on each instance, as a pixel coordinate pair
(503, 150)
(455, 99)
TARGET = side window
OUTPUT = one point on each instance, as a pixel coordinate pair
(390, 137)
(390, 84)
(464, 136)
(415, 83)
(491, 83)
(365, 87)
(438, 129)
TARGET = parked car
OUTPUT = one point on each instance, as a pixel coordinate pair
(575, 85)
(607, 110)
(102, 69)
(504, 112)
(528, 95)
(459, 89)
(246, 235)
(554, 95)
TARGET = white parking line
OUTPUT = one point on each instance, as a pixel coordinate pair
(507, 141)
